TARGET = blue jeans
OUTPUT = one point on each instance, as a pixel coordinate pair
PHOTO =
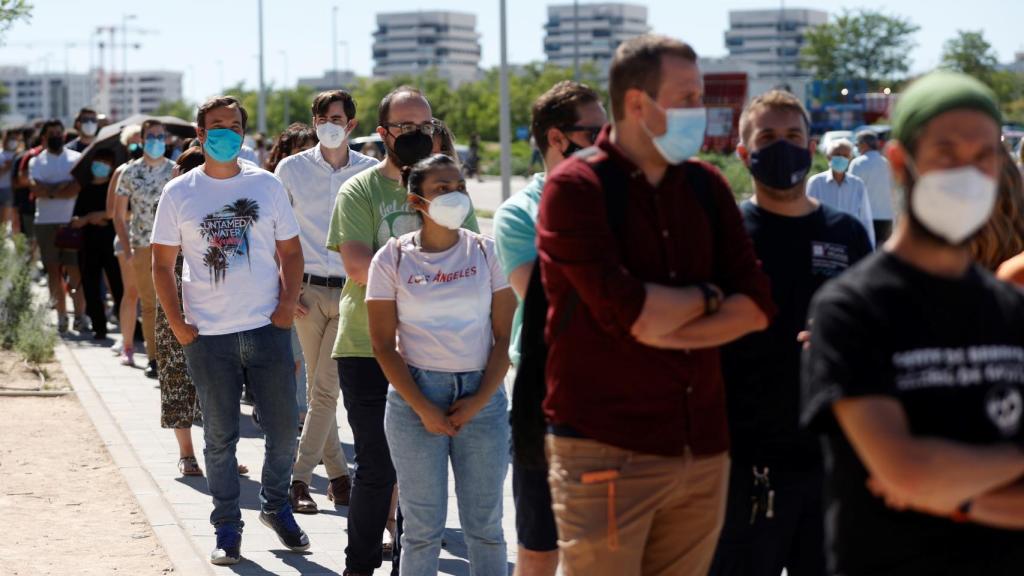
(479, 456)
(262, 358)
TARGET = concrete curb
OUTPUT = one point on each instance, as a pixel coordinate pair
(185, 557)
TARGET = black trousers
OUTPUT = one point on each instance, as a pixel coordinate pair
(96, 257)
(794, 538)
(364, 391)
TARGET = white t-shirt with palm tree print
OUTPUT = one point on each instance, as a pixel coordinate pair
(227, 230)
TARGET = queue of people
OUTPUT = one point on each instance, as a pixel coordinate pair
(700, 387)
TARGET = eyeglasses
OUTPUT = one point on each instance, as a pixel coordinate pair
(155, 136)
(428, 128)
(592, 132)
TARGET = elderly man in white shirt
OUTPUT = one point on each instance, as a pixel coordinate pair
(872, 167)
(842, 191)
(312, 179)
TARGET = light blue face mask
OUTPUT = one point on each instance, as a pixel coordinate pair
(154, 147)
(222, 144)
(839, 163)
(684, 133)
(100, 170)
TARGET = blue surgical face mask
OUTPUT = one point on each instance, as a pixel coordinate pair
(222, 144)
(839, 163)
(101, 170)
(684, 133)
(154, 147)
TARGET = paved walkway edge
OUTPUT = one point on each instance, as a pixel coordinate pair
(184, 556)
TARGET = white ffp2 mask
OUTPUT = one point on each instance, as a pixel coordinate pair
(450, 210)
(954, 204)
(331, 135)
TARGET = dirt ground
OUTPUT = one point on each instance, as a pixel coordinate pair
(64, 506)
(16, 374)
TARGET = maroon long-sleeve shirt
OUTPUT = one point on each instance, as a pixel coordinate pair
(601, 382)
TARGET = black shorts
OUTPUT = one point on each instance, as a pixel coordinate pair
(535, 521)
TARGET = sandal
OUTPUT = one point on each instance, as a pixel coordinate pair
(189, 466)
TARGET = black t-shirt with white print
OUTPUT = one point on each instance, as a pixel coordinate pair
(951, 351)
(762, 370)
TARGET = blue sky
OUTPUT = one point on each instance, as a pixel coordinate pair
(213, 39)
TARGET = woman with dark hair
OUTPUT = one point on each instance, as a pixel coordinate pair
(96, 256)
(295, 138)
(128, 312)
(441, 291)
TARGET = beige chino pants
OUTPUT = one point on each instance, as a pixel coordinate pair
(317, 331)
(621, 512)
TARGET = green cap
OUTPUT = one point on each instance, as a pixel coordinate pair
(935, 93)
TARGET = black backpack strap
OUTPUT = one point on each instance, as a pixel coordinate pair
(527, 416)
(530, 388)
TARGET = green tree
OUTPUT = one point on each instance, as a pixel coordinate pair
(969, 52)
(10, 12)
(863, 45)
(178, 109)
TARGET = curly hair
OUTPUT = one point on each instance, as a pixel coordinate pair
(294, 139)
(1003, 236)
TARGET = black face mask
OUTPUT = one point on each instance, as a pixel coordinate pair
(781, 165)
(55, 144)
(571, 149)
(412, 147)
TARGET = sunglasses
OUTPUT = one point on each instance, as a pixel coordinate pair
(592, 132)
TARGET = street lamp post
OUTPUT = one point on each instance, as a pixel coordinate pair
(124, 62)
(576, 39)
(334, 45)
(284, 90)
(505, 122)
(261, 116)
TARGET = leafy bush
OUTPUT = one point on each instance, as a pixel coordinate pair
(23, 325)
(736, 173)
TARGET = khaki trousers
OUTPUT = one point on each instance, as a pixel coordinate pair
(317, 331)
(622, 512)
(142, 264)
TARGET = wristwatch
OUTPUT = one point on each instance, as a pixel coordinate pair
(712, 298)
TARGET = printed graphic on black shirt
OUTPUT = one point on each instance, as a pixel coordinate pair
(227, 233)
(829, 258)
(998, 366)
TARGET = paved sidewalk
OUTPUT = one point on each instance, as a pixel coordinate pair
(134, 403)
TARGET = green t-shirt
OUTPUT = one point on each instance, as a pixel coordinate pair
(371, 209)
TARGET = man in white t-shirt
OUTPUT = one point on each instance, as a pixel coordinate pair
(55, 191)
(312, 179)
(239, 284)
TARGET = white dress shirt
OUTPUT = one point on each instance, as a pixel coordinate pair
(312, 185)
(874, 170)
(847, 196)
